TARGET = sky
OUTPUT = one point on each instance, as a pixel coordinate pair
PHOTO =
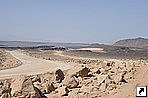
(102, 21)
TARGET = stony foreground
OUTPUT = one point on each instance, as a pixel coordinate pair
(85, 81)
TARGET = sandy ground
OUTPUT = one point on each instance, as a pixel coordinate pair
(60, 53)
(32, 65)
(129, 90)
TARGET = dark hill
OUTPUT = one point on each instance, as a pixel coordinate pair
(137, 42)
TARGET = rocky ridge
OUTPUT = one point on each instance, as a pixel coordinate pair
(87, 80)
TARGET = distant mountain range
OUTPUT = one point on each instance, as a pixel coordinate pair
(131, 43)
(136, 42)
(36, 43)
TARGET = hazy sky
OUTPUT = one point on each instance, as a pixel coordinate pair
(103, 21)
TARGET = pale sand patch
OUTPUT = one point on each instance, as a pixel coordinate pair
(91, 49)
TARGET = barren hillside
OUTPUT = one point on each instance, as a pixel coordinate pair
(137, 42)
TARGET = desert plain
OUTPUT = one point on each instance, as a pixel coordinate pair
(91, 71)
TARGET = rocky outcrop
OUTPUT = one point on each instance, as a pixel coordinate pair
(80, 82)
(22, 86)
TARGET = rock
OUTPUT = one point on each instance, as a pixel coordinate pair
(23, 86)
(70, 82)
(104, 71)
(53, 95)
(36, 79)
(98, 71)
(59, 75)
(62, 91)
(108, 80)
(101, 79)
(105, 64)
(110, 63)
(37, 94)
(103, 87)
(119, 77)
(48, 87)
(84, 72)
(74, 71)
(95, 70)
(38, 85)
(27, 85)
(47, 77)
(74, 94)
(78, 71)
(5, 95)
(5, 87)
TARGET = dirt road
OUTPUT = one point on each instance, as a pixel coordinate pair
(32, 65)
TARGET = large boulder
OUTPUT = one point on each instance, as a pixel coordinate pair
(119, 77)
(84, 72)
(59, 75)
(70, 82)
(78, 71)
(22, 86)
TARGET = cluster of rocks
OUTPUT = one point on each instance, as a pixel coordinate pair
(81, 81)
(83, 61)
